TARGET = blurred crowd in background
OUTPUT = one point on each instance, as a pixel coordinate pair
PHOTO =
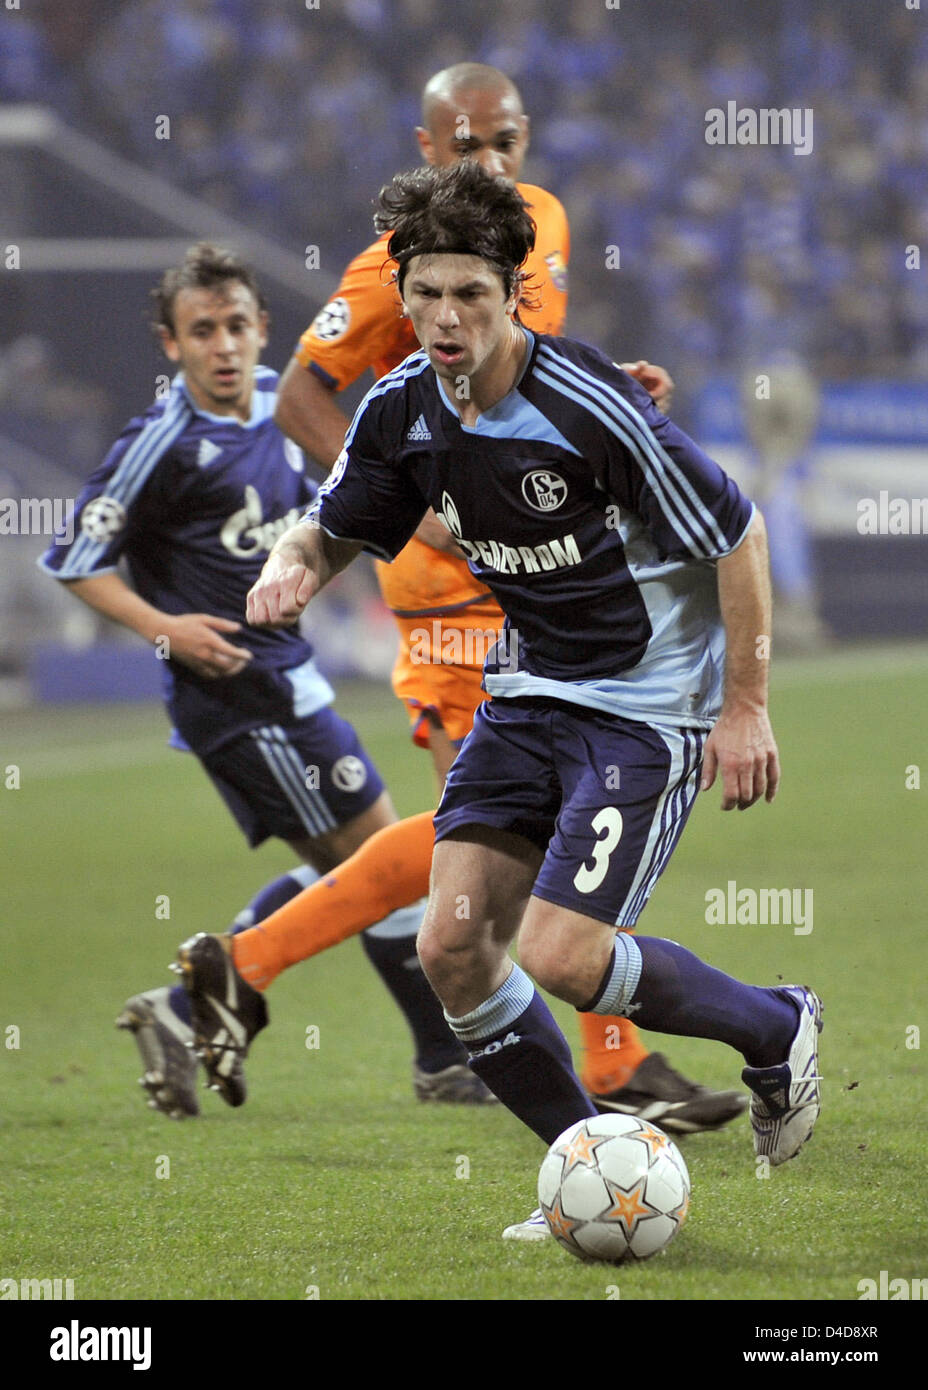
(290, 117)
(719, 261)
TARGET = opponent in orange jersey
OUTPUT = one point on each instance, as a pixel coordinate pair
(363, 327)
(430, 582)
(469, 111)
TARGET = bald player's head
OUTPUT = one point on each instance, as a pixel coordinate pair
(472, 111)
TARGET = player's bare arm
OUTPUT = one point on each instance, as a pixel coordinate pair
(741, 746)
(306, 410)
(301, 563)
(194, 639)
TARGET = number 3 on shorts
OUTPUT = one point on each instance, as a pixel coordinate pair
(608, 825)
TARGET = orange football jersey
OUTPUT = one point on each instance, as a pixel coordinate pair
(362, 327)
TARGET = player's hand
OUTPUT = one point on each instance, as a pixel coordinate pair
(195, 640)
(743, 749)
(280, 595)
(657, 381)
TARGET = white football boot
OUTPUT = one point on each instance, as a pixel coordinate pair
(535, 1227)
(787, 1097)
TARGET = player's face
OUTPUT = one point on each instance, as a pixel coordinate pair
(218, 337)
(485, 126)
(460, 312)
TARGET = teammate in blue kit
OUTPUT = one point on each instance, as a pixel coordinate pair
(626, 562)
(192, 497)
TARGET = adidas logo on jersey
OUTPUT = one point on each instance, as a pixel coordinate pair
(420, 431)
(207, 452)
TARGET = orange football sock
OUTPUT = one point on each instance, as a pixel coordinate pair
(389, 871)
(612, 1050)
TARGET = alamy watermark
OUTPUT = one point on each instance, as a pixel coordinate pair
(892, 516)
(38, 516)
(892, 1289)
(442, 645)
(750, 125)
(36, 1289)
(748, 907)
(77, 1343)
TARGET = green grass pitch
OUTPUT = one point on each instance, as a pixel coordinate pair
(332, 1180)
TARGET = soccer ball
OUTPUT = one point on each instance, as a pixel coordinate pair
(614, 1188)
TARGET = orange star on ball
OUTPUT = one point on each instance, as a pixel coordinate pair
(562, 1226)
(627, 1206)
(581, 1149)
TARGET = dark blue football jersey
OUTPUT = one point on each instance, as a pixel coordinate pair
(592, 518)
(193, 502)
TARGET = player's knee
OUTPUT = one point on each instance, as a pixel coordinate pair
(553, 968)
(443, 950)
(428, 949)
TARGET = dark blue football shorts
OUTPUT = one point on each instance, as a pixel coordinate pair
(296, 780)
(604, 798)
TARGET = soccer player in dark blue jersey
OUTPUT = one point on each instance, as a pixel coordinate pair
(191, 497)
(626, 562)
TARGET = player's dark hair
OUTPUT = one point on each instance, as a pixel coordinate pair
(205, 267)
(458, 209)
